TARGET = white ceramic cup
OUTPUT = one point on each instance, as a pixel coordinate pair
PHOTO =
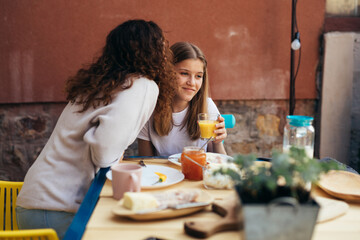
(126, 177)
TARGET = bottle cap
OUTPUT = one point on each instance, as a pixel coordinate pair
(299, 121)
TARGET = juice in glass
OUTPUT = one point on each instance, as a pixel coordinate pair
(191, 170)
(207, 128)
(207, 124)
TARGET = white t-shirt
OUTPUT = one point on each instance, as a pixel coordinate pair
(178, 138)
(81, 143)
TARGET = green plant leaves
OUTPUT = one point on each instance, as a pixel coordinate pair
(292, 171)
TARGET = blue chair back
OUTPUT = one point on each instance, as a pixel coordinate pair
(230, 120)
(81, 218)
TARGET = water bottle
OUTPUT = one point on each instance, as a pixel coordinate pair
(299, 132)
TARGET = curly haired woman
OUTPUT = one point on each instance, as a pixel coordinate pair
(109, 103)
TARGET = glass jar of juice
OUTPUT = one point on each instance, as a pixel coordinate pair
(191, 170)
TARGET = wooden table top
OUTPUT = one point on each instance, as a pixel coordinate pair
(103, 224)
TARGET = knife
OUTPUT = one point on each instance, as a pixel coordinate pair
(176, 207)
(189, 205)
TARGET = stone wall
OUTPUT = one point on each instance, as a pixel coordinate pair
(25, 128)
(259, 125)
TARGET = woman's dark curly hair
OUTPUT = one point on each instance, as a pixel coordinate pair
(134, 48)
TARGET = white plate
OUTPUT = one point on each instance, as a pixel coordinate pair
(330, 208)
(148, 177)
(204, 197)
(341, 184)
(210, 157)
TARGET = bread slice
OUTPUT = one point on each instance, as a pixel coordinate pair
(137, 201)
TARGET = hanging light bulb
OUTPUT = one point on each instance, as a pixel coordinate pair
(295, 44)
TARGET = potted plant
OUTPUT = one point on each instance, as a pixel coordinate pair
(275, 196)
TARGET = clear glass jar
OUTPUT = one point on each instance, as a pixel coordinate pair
(300, 133)
(191, 170)
(216, 180)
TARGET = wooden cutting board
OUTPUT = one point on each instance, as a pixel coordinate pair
(227, 209)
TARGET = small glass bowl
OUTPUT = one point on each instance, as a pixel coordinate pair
(212, 180)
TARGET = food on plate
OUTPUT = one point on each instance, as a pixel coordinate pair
(162, 177)
(139, 201)
(172, 198)
(218, 180)
(210, 158)
(215, 158)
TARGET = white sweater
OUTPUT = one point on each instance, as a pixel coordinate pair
(81, 143)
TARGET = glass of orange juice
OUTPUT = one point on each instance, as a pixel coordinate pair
(191, 170)
(207, 122)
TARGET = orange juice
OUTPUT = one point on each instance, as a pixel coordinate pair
(207, 128)
(190, 169)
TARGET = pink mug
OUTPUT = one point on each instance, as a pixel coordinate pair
(126, 177)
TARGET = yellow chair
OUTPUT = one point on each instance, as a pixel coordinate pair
(34, 234)
(8, 226)
(8, 195)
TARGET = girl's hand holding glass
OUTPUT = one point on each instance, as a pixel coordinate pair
(220, 130)
(212, 126)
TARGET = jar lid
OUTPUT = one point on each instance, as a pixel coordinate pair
(192, 148)
(299, 121)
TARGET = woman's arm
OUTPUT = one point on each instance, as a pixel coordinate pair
(216, 148)
(145, 148)
(116, 125)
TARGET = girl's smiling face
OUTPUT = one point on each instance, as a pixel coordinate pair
(190, 74)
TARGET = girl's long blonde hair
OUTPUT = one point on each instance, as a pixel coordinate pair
(182, 51)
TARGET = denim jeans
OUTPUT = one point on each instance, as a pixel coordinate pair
(39, 218)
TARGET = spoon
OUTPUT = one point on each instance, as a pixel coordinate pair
(162, 177)
(142, 163)
(195, 162)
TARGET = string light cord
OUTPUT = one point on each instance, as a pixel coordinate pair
(297, 31)
(295, 36)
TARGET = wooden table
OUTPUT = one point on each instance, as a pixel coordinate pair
(103, 224)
